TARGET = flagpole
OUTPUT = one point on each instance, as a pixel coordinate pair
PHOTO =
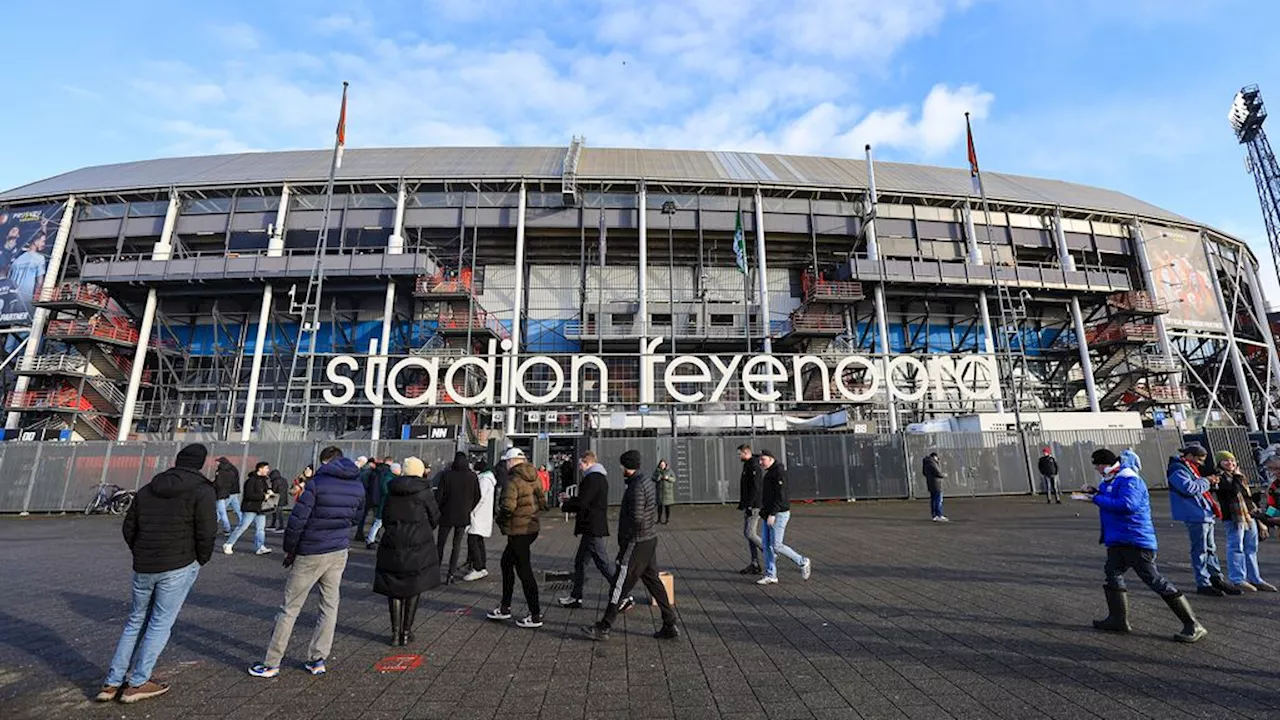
(1002, 293)
(321, 241)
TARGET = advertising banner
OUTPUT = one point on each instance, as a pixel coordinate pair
(1182, 281)
(26, 241)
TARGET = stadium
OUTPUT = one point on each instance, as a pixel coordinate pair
(552, 293)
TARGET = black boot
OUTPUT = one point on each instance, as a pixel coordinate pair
(1227, 588)
(396, 607)
(1117, 612)
(1192, 630)
(406, 628)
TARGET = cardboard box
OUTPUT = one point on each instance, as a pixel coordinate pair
(669, 582)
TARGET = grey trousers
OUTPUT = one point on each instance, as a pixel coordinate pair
(308, 570)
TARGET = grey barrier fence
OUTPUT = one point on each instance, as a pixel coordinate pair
(57, 477)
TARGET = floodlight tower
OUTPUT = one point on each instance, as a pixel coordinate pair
(1246, 116)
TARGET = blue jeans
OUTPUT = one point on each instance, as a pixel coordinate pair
(1242, 552)
(751, 531)
(373, 530)
(157, 598)
(1204, 554)
(221, 506)
(773, 545)
(935, 503)
(259, 529)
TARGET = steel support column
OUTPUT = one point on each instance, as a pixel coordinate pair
(1068, 264)
(163, 249)
(40, 317)
(518, 308)
(762, 269)
(395, 246)
(642, 329)
(1264, 327)
(1233, 350)
(882, 320)
(984, 309)
(275, 248)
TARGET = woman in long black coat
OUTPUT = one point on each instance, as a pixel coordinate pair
(408, 564)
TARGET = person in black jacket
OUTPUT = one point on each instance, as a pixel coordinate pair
(933, 476)
(226, 481)
(775, 508)
(367, 481)
(280, 487)
(457, 495)
(407, 564)
(170, 528)
(259, 500)
(749, 504)
(591, 524)
(1048, 467)
(637, 559)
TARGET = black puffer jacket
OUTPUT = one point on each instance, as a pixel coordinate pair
(776, 496)
(255, 492)
(226, 478)
(172, 522)
(591, 503)
(408, 563)
(749, 484)
(638, 517)
(458, 494)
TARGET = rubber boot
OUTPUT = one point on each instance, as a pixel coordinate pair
(410, 610)
(1117, 619)
(396, 607)
(1192, 630)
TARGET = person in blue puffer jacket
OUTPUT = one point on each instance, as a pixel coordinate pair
(1124, 507)
(1189, 504)
(315, 546)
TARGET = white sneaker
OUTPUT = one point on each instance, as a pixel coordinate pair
(226, 549)
(569, 602)
(767, 580)
(943, 518)
(499, 614)
(529, 621)
(806, 569)
(475, 575)
(264, 550)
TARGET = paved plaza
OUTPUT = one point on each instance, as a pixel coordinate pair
(987, 617)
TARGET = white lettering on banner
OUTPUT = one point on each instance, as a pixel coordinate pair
(907, 378)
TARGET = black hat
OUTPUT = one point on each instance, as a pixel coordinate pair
(191, 457)
(1195, 450)
(767, 453)
(1103, 456)
(630, 460)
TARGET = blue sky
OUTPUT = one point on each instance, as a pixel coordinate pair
(1125, 94)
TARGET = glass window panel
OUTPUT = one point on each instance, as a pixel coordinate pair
(206, 206)
(609, 200)
(257, 203)
(316, 202)
(371, 200)
(243, 241)
(154, 208)
(102, 212)
(441, 199)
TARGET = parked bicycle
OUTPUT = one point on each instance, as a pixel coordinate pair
(111, 499)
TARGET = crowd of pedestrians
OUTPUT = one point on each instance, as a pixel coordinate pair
(416, 517)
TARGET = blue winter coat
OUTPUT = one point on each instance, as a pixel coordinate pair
(1124, 507)
(1187, 502)
(326, 511)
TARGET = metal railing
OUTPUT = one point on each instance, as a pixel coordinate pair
(65, 364)
(479, 320)
(78, 293)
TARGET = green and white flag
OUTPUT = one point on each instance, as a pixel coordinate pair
(740, 244)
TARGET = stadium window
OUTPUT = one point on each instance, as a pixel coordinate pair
(257, 203)
(316, 202)
(722, 320)
(247, 241)
(154, 208)
(663, 319)
(206, 206)
(371, 201)
(111, 211)
(621, 319)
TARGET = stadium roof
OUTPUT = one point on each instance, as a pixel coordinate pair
(594, 164)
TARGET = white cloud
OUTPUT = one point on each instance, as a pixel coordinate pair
(238, 36)
(939, 127)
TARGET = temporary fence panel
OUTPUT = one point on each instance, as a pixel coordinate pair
(19, 471)
(989, 463)
(1074, 448)
(877, 466)
(49, 478)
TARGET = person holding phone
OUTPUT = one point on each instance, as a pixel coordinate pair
(1191, 502)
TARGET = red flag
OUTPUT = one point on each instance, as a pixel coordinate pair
(342, 126)
(973, 156)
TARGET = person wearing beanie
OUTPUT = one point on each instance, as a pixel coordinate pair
(407, 563)
(522, 500)
(316, 543)
(637, 556)
(1192, 502)
(775, 510)
(749, 504)
(1235, 497)
(1124, 509)
(170, 529)
(457, 495)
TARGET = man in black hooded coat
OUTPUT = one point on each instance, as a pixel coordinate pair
(457, 495)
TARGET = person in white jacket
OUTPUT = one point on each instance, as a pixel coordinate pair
(481, 525)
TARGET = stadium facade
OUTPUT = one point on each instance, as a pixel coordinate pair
(556, 292)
